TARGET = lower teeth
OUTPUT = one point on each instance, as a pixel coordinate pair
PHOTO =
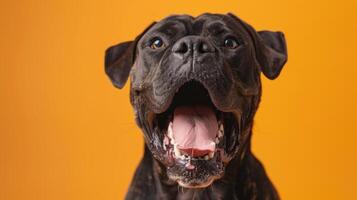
(178, 153)
(211, 154)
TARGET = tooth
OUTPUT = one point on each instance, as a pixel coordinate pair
(169, 131)
(211, 154)
(221, 131)
(217, 140)
(206, 157)
(166, 140)
(221, 127)
(177, 151)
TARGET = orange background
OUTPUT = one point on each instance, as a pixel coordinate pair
(66, 133)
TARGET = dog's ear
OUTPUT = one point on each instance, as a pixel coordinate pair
(270, 49)
(118, 62)
(120, 58)
(273, 54)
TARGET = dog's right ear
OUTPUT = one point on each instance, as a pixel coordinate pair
(118, 62)
(120, 58)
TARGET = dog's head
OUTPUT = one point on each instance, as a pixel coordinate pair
(195, 87)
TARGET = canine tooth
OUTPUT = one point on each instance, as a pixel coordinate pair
(206, 157)
(221, 127)
(221, 131)
(177, 151)
(169, 131)
(166, 140)
(211, 154)
(217, 140)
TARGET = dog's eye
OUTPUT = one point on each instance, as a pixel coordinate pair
(230, 43)
(156, 43)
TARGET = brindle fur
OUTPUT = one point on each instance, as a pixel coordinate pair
(232, 78)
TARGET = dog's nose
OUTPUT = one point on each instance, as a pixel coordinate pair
(192, 44)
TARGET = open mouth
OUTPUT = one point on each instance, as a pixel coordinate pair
(196, 136)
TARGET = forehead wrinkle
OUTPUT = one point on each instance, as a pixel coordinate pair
(205, 20)
(166, 28)
(217, 24)
(238, 27)
(185, 20)
(168, 23)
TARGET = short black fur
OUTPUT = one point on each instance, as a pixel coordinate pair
(194, 54)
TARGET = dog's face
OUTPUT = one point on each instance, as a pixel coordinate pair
(195, 87)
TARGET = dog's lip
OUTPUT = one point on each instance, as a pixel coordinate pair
(196, 186)
(201, 182)
(158, 108)
(153, 111)
(212, 167)
(152, 116)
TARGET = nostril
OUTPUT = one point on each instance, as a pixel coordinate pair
(182, 48)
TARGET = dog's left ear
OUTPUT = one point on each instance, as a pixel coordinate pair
(120, 58)
(270, 49)
(273, 54)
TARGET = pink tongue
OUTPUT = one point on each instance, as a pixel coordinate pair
(195, 128)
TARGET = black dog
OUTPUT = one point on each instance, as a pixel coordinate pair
(195, 87)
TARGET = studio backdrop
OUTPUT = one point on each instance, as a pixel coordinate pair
(67, 134)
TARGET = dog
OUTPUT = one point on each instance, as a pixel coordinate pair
(195, 88)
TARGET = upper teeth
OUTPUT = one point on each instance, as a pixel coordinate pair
(169, 131)
(217, 140)
(220, 130)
